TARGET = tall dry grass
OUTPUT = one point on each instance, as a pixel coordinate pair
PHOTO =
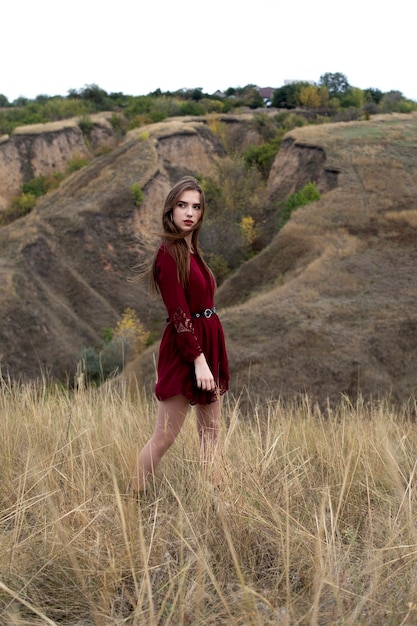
(316, 523)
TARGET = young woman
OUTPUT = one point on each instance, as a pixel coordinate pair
(192, 363)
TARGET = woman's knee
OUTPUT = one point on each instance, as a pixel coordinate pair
(208, 417)
(161, 442)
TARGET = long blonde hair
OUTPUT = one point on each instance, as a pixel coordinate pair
(174, 239)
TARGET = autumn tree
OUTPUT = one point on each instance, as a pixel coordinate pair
(310, 96)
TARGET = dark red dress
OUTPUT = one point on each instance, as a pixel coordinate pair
(185, 337)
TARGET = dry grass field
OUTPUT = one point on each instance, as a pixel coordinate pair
(315, 524)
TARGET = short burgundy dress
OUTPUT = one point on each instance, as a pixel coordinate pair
(185, 337)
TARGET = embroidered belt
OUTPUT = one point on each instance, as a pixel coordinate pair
(206, 313)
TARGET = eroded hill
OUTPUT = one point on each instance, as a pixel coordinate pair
(327, 308)
(66, 268)
(44, 149)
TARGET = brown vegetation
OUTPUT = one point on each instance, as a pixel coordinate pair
(327, 308)
(315, 523)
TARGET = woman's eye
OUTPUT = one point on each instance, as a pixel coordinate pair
(197, 207)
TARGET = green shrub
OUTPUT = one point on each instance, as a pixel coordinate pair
(37, 186)
(20, 206)
(107, 334)
(138, 105)
(119, 124)
(76, 163)
(24, 203)
(138, 121)
(263, 156)
(309, 193)
(137, 194)
(100, 364)
(264, 125)
(288, 121)
(40, 111)
(31, 190)
(157, 116)
(120, 345)
(219, 267)
(164, 107)
(58, 108)
(56, 179)
(191, 108)
(86, 124)
(235, 192)
(212, 105)
(40, 185)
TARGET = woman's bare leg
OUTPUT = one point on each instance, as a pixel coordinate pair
(171, 416)
(208, 424)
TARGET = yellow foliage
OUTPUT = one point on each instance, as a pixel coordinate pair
(324, 96)
(131, 328)
(310, 96)
(248, 229)
(218, 128)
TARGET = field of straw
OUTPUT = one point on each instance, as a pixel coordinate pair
(315, 524)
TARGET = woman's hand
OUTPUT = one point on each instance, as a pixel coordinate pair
(204, 377)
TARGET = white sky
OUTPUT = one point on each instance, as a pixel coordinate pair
(137, 46)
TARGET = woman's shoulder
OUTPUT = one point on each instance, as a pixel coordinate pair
(164, 253)
(164, 248)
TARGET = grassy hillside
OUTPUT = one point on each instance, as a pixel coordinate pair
(328, 307)
(325, 306)
(315, 523)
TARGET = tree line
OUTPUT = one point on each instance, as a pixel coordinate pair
(331, 97)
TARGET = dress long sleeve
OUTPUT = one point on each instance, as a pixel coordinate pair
(185, 337)
(175, 300)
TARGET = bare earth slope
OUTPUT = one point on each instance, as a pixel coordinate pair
(66, 269)
(44, 149)
(329, 307)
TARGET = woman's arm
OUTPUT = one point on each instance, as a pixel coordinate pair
(174, 298)
(204, 377)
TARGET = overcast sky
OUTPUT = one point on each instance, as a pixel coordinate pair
(137, 46)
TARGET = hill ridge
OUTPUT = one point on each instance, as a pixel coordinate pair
(327, 308)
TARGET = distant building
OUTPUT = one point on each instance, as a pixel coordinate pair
(266, 92)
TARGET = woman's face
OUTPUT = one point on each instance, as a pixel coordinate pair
(187, 211)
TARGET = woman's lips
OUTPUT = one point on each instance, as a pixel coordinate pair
(188, 222)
